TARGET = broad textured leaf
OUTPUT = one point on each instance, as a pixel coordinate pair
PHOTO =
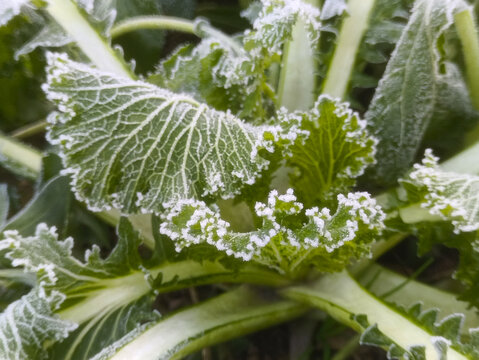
(101, 14)
(290, 240)
(387, 22)
(28, 324)
(327, 146)
(134, 146)
(20, 80)
(52, 35)
(411, 88)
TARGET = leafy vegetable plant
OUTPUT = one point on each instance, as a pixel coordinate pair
(266, 163)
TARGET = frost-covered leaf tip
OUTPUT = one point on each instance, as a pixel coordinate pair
(290, 239)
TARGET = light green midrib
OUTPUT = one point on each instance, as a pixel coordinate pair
(152, 22)
(342, 297)
(350, 36)
(68, 16)
(228, 315)
(116, 292)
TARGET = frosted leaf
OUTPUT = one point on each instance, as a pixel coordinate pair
(116, 286)
(276, 20)
(290, 239)
(329, 146)
(27, 324)
(9, 9)
(133, 146)
(452, 196)
(416, 81)
(102, 14)
(332, 8)
(52, 35)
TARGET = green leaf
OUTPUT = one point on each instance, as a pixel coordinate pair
(441, 208)
(21, 80)
(52, 35)
(275, 22)
(290, 240)
(50, 205)
(101, 15)
(452, 197)
(9, 9)
(328, 147)
(386, 25)
(144, 146)
(28, 325)
(214, 73)
(417, 79)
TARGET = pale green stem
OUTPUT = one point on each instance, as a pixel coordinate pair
(298, 72)
(19, 157)
(343, 298)
(18, 275)
(152, 22)
(200, 28)
(415, 213)
(348, 349)
(29, 130)
(467, 31)
(67, 15)
(350, 36)
(230, 315)
(124, 290)
(379, 280)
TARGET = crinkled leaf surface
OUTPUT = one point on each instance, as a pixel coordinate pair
(452, 196)
(327, 146)
(28, 324)
(411, 88)
(232, 73)
(450, 202)
(289, 240)
(275, 22)
(212, 72)
(134, 146)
